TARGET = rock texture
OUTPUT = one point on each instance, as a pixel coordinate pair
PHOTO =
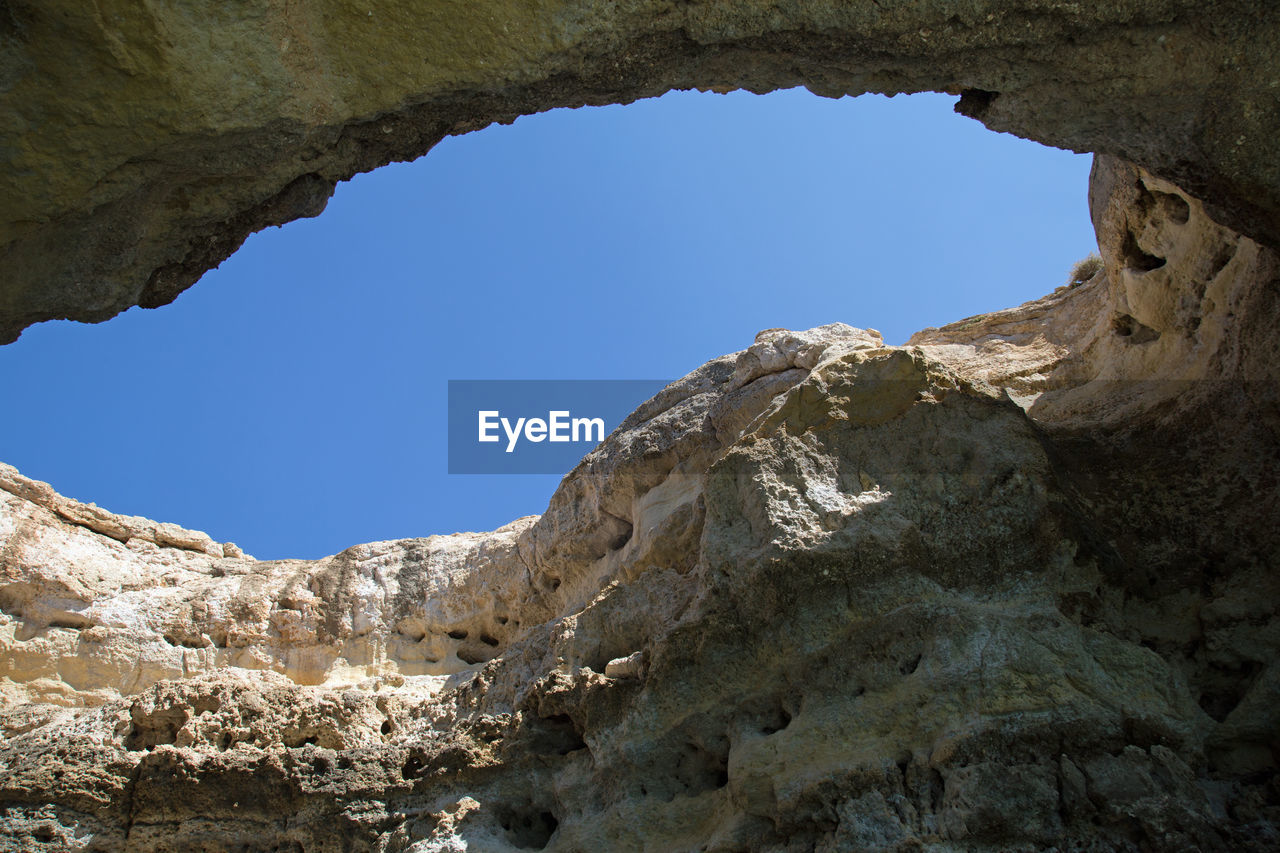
(1011, 586)
(141, 143)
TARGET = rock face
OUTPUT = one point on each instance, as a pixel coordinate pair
(141, 143)
(1011, 586)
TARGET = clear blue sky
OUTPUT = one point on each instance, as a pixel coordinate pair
(293, 401)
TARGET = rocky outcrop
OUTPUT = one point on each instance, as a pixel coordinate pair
(141, 143)
(1010, 586)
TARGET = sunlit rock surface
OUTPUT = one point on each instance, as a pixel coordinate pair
(1010, 586)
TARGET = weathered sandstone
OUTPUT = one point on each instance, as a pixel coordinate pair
(1010, 586)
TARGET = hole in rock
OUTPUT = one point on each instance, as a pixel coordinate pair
(1137, 333)
(699, 769)
(1135, 258)
(780, 720)
(412, 768)
(160, 726)
(556, 734)
(1174, 207)
(1224, 688)
(910, 665)
(472, 656)
(529, 828)
(632, 241)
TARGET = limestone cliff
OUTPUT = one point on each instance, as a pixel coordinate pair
(1012, 586)
(1008, 587)
(140, 143)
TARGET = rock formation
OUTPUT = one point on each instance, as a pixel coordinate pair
(143, 142)
(1010, 586)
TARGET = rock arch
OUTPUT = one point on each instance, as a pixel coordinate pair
(143, 144)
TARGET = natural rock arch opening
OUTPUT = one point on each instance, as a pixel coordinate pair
(760, 211)
(1017, 600)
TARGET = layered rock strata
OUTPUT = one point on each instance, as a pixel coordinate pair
(141, 143)
(1010, 586)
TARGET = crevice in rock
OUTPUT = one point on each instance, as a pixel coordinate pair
(1220, 260)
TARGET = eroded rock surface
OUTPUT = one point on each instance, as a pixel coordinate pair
(1010, 586)
(141, 143)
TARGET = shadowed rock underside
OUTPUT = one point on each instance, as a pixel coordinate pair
(142, 143)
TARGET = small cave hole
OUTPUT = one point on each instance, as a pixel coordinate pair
(160, 727)
(698, 769)
(1127, 327)
(907, 667)
(529, 829)
(620, 541)
(470, 657)
(458, 635)
(501, 620)
(781, 720)
(1226, 688)
(1174, 207)
(488, 640)
(557, 734)
(412, 768)
(386, 727)
(1135, 258)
